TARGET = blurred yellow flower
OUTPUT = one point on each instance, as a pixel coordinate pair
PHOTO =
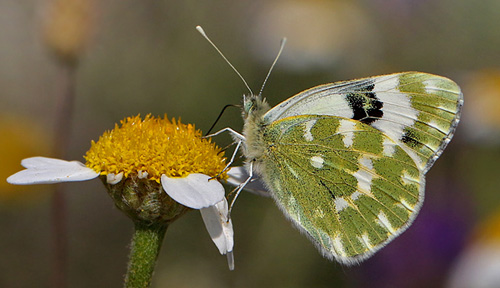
(482, 117)
(21, 138)
(321, 32)
(68, 25)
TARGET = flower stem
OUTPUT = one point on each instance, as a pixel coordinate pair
(146, 244)
(64, 115)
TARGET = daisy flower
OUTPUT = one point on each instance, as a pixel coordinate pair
(154, 169)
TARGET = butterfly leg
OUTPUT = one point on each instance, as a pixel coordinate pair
(239, 189)
(238, 145)
(239, 138)
(233, 133)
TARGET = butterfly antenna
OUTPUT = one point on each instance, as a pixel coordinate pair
(202, 32)
(282, 45)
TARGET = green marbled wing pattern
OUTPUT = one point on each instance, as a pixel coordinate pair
(348, 186)
(438, 102)
(419, 111)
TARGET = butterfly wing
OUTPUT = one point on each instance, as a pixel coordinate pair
(350, 188)
(419, 111)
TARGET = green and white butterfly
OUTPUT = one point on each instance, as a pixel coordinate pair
(346, 161)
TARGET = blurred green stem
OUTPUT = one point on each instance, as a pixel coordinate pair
(146, 244)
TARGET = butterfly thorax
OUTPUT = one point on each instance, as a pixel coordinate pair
(254, 108)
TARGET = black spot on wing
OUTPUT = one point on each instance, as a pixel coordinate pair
(375, 107)
(411, 139)
(364, 103)
(357, 103)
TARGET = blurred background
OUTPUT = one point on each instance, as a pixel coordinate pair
(126, 57)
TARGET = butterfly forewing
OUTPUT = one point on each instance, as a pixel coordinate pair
(348, 186)
(417, 110)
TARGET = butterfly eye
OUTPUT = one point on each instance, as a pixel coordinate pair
(248, 104)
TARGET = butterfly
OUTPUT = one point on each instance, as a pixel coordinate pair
(346, 161)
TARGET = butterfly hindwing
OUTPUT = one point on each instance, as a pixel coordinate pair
(417, 110)
(350, 188)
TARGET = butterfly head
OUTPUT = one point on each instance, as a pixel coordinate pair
(254, 107)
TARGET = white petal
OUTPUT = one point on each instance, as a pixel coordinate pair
(142, 174)
(219, 228)
(238, 175)
(230, 260)
(114, 178)
(42, 170)
(39, 162)
(194, 191)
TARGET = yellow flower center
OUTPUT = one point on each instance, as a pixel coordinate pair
(156, 146)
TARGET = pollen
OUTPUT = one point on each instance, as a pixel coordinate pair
(155, 146)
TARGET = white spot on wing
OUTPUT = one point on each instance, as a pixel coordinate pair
(386, 83)
(366, 162)
(384, 222)
(340, 204)
(319, 100)
(363, 175)
(398, 114)
(346, 128)
(365, 241)
(317, 162)
(406, 205)
(430, 86)
(307, 130)
(339, 248)
(408, 179)
(393, 122)
(389, 147)
(326, 104)
(355, 195)
(398, 111)
(435, 125)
